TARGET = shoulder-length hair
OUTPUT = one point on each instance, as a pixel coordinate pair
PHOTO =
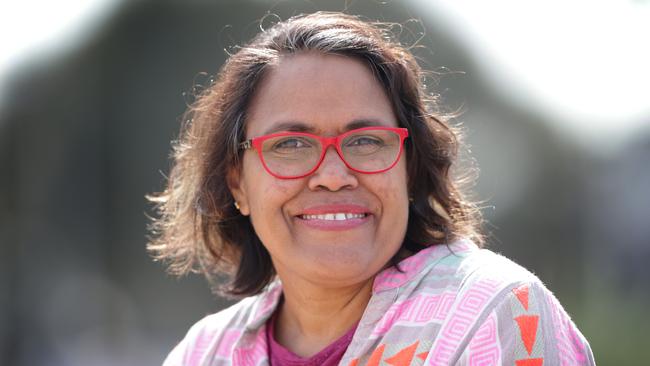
(198, 227)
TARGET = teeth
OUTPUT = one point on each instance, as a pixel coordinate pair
(339, 216)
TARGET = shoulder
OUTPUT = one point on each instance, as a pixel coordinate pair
(462, 267)
(475, 263)
(527, 325)
(509, 314)
(458, 274)
(492, 308)
(484, 270)
(216, 335)
(205, 336)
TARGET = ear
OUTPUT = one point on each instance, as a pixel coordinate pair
(238, 191)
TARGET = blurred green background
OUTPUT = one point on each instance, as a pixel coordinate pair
(556, 105)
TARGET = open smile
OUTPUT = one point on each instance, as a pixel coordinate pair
(334, 217)
(339, 216)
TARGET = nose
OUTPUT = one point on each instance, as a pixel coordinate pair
(332, 174)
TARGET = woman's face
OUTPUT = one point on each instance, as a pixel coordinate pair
(324, 95)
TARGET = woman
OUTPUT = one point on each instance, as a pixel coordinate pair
(315, 175)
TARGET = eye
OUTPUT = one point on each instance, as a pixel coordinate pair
(365, 141)
(290, 143)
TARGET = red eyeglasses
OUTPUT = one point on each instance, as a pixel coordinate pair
(290, 155)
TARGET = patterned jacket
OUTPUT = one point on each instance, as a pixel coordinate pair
(450, 305)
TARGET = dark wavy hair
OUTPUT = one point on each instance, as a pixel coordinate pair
(199, 229)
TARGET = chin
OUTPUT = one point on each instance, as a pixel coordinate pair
(343, 269)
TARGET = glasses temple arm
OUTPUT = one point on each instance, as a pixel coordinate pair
(246, 144)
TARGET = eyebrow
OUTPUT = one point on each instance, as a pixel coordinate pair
(292, 126)
(297, 126)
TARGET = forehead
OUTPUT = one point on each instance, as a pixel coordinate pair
(324, 93)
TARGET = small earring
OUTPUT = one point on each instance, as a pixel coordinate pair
(237, 205)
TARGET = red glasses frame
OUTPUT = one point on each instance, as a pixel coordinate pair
(326, 142)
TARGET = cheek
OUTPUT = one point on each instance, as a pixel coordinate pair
(395, 184)
(391, 190)
(262, 188)
(397, 197)
(275, 187)
(269, 195)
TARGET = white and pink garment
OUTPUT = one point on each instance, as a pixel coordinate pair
(452, 304)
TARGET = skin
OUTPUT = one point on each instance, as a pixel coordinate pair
(327, 275)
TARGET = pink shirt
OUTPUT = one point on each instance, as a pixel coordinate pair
(329, 356)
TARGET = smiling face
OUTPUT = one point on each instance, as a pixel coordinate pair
(335, 227)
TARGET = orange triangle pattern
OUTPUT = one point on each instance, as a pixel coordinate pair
(375, 357)
(354, 362)
(528, 330)
(404, 356)
(423, 355)
(530, 362)
(522, 294)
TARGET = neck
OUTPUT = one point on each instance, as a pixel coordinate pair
(312, 317)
